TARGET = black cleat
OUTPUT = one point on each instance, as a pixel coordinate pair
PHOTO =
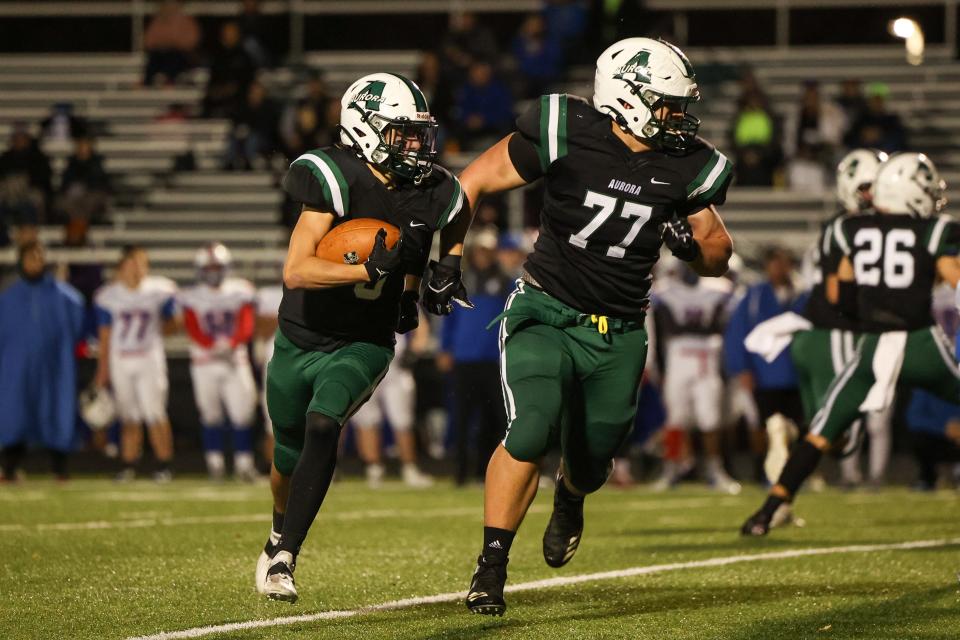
(486, 589)
(562, 536)
(756, 525)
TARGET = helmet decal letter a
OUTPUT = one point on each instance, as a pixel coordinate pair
(640, 60)
(372, 95)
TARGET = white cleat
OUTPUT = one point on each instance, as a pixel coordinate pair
(279, 585)
(263, 563)
(784, 516)
(375, 473)
(723, 483)
(414, 478)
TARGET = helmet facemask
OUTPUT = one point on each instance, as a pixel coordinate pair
(674, 128)
(405, 148)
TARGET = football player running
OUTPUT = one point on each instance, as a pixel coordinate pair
(218, 315)
(622, 177)
(885, 281)
(337, 321)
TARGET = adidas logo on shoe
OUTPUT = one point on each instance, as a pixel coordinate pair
(495, 545)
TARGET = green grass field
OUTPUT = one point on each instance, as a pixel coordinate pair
(97, 560)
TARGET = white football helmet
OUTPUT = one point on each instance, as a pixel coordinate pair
(385, 119)
(635, 78)
(855, 175)
(909, 183)
(97, 407)
(212, 262)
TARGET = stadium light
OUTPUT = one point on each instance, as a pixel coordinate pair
(911, 33)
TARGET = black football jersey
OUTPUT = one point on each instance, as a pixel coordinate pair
(335, 180)
(603, 203)
(827, 257)
(894, 262)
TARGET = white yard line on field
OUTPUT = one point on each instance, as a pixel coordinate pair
(361, 514)
(199, 632)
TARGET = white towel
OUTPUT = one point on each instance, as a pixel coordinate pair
(769, 338)
(887, 361)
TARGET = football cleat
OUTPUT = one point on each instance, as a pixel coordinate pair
(279, 584)
(562, 535)
(486, 589)
(414, 478)
(263, 562)
(756, 525)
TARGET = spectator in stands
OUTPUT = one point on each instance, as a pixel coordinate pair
(170, 41)
(566, 22)
(878, 128)
(472, 354)
(851, 100)
(62, 124)
(773, 384)
(466, 42)
(84, 186)
(538, 55)
(438, 92)
(484, 107)
(25, 184)
(307, 121)
(41, 321)
(511, 253)
(231, 72)
(756, 145)
(254, 30)
(935, 427)
(813, 135)
(254, 134)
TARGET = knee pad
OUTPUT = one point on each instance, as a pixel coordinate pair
(528, 440)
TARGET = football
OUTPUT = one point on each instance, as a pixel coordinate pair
(352, 241)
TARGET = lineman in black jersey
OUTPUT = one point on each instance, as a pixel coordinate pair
(622, 177)
(885, 280)
(337, 321)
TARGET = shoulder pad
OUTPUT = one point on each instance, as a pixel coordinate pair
(707, 174)
(943, 236)
(317, 180)
(547, 124)
(447, 196)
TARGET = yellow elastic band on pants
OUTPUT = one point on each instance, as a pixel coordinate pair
(601, 322)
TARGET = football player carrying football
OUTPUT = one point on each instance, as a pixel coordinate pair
(890, 263)
(337, 321)
(622, 177)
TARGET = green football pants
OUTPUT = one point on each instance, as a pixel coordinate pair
(569, 379)
(334, 384)
(927, 364)
(818, 356)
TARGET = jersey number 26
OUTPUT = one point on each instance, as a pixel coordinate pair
(898, 266)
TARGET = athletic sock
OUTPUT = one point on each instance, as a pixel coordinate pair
(212, 436)
(310, 480)
(802, 462)
(215, 463)
(496, 545)
(242, 439)
(771, 505)
(277, 522)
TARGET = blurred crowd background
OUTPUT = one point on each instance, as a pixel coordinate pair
(57, 190)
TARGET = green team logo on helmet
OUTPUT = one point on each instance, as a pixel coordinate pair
(371, 95)
(637, 64)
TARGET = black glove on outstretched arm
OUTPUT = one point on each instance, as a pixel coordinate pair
(445, 286)
(678, 236)
(382, 260)
(409, 312)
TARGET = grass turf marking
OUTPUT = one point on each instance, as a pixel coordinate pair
(199, 632)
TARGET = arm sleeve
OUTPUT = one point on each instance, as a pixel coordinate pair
(315, 180)
(194, 330)
(243, 331)
(169, 308)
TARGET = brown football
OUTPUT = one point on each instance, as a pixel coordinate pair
(352, 241)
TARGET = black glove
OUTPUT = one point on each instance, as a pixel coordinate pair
(445, 285)
(678, 236)
(382, 260)
(409, 313)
